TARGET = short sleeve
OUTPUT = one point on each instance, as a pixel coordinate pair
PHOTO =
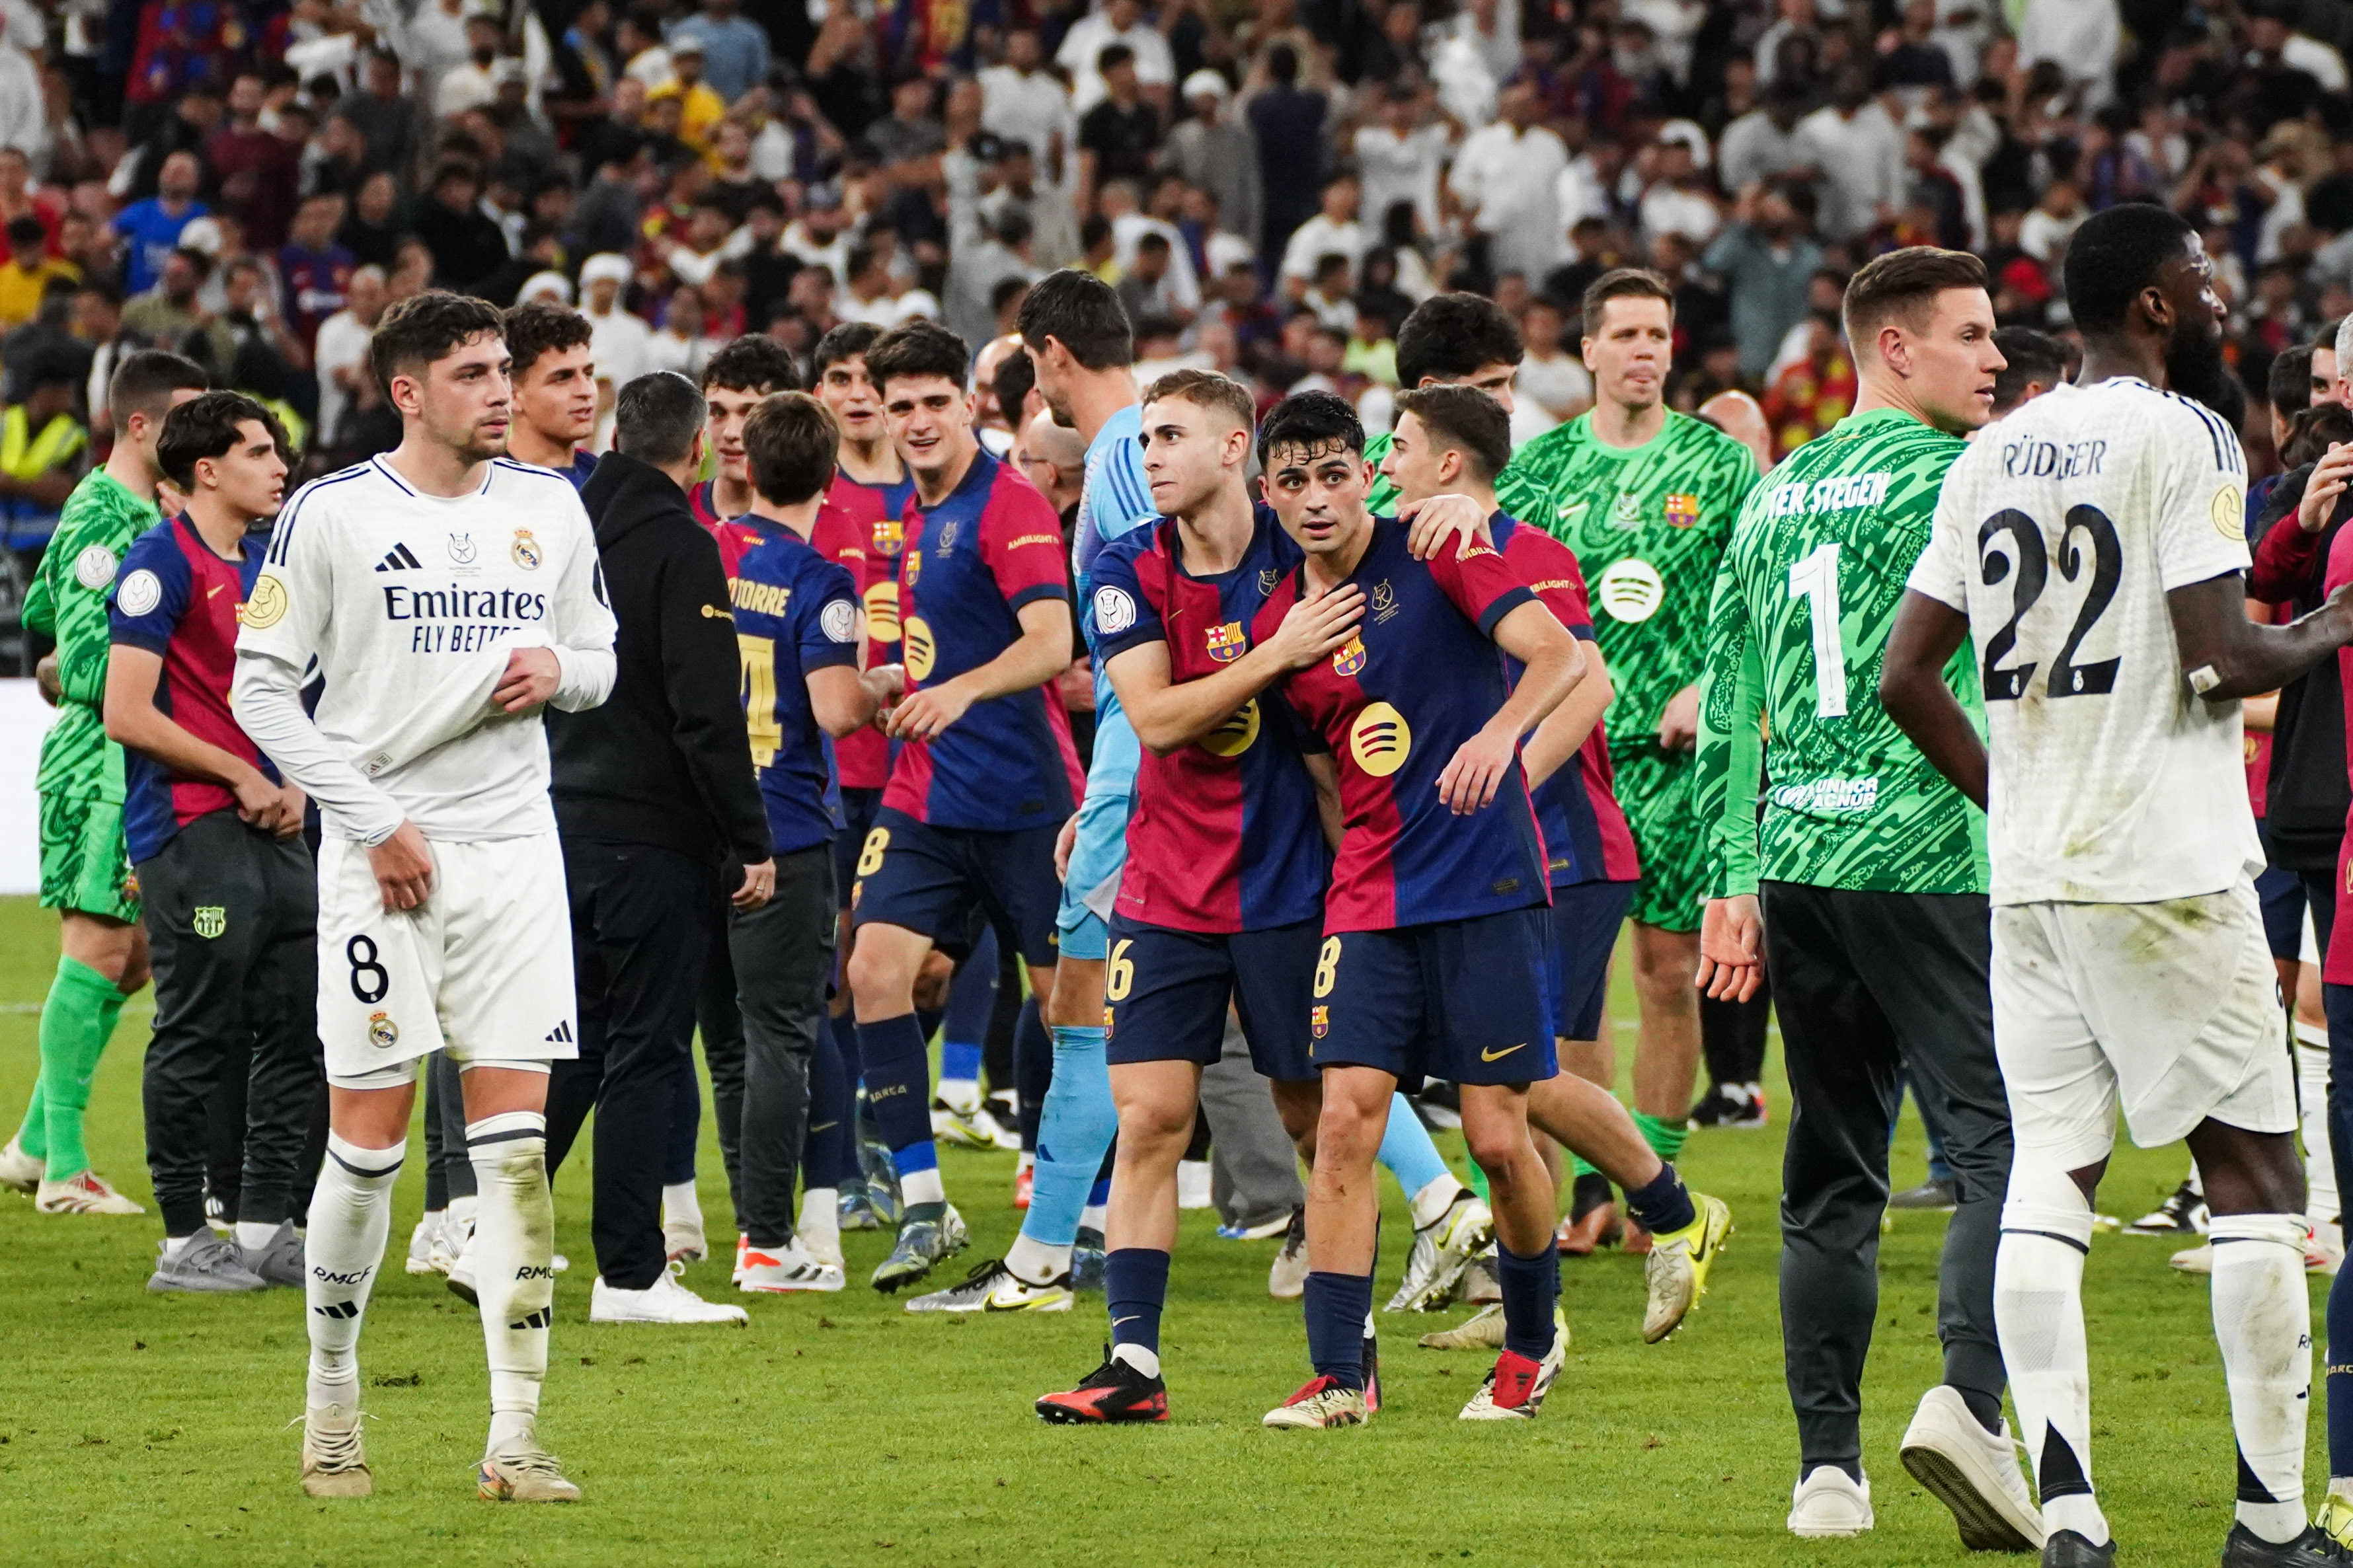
(1942, 570)
(1546, 565)
(1021, 541)
(825, 615)
(1481, 584)
(150, 592)
(2202, 517)
(1119, 613)
(286, 612)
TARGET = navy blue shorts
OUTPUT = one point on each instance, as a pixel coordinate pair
(1585, 922)
(1461, 1000)
(858, 809)
(1164, 994)
(931, 880)
(2281, 894)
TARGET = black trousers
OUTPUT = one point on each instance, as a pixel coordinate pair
(641, 933)
(783, 953)
(1867, 983)
(1731, 1035)
(720, 1021)
(232, 918)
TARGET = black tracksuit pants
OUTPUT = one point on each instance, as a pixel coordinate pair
(641, 930)
(232, 918)
(782, 955)
(1866, 984)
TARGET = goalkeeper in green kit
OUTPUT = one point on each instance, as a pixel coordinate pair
(1868, 874)
(85, 866)
(1644, 496)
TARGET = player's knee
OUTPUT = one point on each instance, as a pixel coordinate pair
(2044, 1195)
(1150, 1128)
(880, 977)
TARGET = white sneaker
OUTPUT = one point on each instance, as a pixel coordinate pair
(420, 1244)
(2324, 1247)
(1827, 1504)
(86, 1193)
(2198, 1259)
(1193, 1177)
(784, 1269)
(682, 1236)
(19, 1171)
(663, 1301)
(742, 1247)
(450, 1239)
(1972, 1471)
(461, 1271)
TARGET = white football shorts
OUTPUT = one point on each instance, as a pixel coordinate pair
(2168, 1010)
(483, 970)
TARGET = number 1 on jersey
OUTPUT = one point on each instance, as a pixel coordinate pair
(1815, 580)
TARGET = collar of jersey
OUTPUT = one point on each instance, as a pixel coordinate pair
(1856, 424)
(1594, 440)
(408, 489)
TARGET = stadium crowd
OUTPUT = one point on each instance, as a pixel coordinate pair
(793, 300)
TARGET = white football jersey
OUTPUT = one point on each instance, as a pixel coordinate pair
(2059, 533)
(406, 604)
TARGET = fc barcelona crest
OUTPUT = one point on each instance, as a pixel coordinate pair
(1682, 510)
(1350, 657)
(1319, 1019)
(889, 533)
(1228, 642)
(211, 920)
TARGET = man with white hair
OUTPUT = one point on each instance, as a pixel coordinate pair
(343, 346)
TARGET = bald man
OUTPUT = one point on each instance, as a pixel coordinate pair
(994, 425)
(1053, 458)
(1737, 416)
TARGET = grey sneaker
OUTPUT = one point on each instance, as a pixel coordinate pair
(1933, 1195)
(210, 1265)
(279, 1262)
(1286, 1276)
(930, 1233)
(1088, 1253)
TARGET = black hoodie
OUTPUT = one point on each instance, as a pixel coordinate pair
(665, 760)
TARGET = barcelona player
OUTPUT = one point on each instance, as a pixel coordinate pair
(1435, 931)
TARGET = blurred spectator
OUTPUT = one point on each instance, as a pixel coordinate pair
(700, 107)
(152, 228)
(341, 353)
(30, 272)
(1287, 123)
(1215, 151)
(467, 246)
(1120, 24)
(1332, 231)
(1022, 102)
(1504, 177)
(1552, 384)
(168, 313)
(1120, 134)
(1815, 393)
(735, 51)
(388, 123)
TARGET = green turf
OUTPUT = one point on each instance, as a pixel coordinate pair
(136, 1429)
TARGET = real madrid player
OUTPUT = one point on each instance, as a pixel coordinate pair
(2091, 549)
(1645, 497)
(444, 594)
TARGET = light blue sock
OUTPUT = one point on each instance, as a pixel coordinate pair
(1076, 1126)
(1407, 1150)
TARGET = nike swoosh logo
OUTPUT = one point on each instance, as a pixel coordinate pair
(1487, 1055)
(1117, 1322)
(215, 591)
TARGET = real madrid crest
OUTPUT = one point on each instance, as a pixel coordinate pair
(383, 1033)
(525, 550)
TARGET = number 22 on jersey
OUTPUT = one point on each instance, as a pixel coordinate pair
(2024, 551)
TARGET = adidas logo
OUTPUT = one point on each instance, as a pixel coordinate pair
(338, 1309)
(399, 558)
(561, 1034)
(538, 1320)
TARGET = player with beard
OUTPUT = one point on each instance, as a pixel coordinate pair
(443, 593)
(2092, 548)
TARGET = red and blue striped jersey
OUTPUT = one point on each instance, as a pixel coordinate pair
(1222, 835)
(178, 599)
(1584, 831)
(1393, 704)
(868, 518)
(970, 563)
(795, 612)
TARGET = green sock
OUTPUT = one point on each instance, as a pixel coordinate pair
(33, 1135)
(1665, 1138)
(1478, 1182)
(1577, 1166)
(77, 1021)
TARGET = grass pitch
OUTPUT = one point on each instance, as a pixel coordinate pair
(136, 1429)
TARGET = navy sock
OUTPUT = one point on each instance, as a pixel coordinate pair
(829, 1157)
(927, 1020)
(1033, 1067)
(898, 1089)
(843, 1028)
(1136, 1287)
(1100, 1194)
(1664, 1205)
(972, 995)
(1337, 1305)
(2339, 1378)
(1531, 1285)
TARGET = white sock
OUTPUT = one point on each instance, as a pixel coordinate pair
(960, 1094)
(350, 1216)
(175, 1245)
(1144, 1361)
(680, 1202)
(2262, 1319)
(1028, 1160)
(2038, 1308)
(514, 1244)
(253, 1236)
(1035, 1262)
(2321, 1201)
(820, 1227)
(1094, 1216)
(920, 1187)
(2196, 1184)
(463, 1210)
(1431, 1203)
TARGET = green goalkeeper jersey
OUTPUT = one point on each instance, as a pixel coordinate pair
(1648, 525)
(67, 601)
(1808, 592)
